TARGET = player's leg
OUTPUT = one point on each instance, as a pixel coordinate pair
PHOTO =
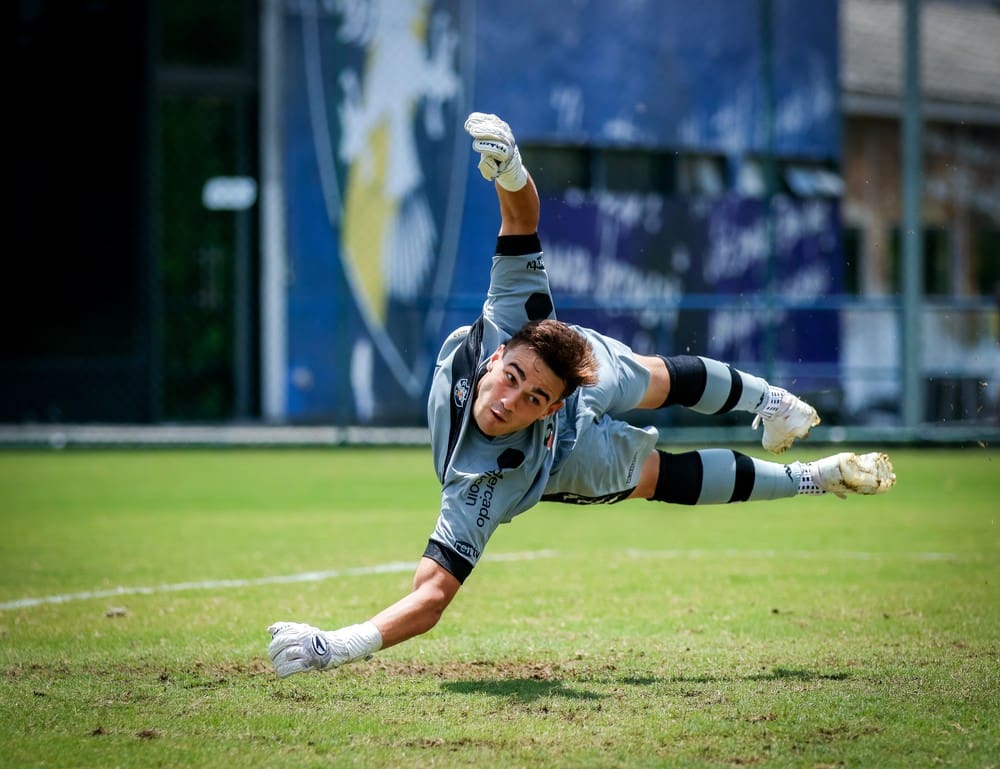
(709, 386)
(719, 476)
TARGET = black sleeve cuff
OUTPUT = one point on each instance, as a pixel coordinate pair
(448, 560)
(518, 245)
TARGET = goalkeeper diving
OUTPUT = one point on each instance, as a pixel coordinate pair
(524, 408)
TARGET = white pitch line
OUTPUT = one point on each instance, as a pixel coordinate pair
(838, 555)
(216, 584)
(396, 567)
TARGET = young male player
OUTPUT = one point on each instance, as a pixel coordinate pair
(524, 408)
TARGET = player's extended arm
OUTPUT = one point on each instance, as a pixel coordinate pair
(433, 589)
(519, 211)
(296, 647)
(500, 161)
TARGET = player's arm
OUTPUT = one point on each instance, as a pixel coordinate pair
(500, 162)
(519, 211)
(433, 589)
(519, 287)
(297, 648)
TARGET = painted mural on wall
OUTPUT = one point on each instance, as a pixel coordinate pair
(390, 228)
(371, 136)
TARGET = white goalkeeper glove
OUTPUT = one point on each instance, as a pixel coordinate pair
(499, 157)
(296, 647)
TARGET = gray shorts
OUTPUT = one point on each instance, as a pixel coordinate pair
(598, 455)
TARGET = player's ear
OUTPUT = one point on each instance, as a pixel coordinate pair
(554, 408)
(494, 357)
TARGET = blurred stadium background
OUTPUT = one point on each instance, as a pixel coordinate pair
(255, 220)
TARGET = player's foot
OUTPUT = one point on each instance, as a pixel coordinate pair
(853, 473)
(785, 418)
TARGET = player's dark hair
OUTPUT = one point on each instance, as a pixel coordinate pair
(563, 350)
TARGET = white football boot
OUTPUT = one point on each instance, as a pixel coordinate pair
(785, 418)
(847, 473)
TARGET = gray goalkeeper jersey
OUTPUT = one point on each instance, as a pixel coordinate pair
(581, 454)
(487, 481)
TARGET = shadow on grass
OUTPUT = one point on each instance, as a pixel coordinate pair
(530, 689)
(520, 689)
(776, 674)
(797, 674)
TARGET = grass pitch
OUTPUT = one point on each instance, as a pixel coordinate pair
(811, 632)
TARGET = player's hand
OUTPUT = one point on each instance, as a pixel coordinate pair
(499, 157)
(493, 140)
(297, 648)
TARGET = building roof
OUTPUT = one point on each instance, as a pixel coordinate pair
(960, 58)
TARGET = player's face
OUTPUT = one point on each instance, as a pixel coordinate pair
(517, 390)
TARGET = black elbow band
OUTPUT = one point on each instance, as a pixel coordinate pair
(448, 560)
(518, 245)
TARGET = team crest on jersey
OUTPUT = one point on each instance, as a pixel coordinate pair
(384, 86)
(549, 437)
(461, 392)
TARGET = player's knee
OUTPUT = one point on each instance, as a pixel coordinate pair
(648, 476)
(659, 381)
(679, 478)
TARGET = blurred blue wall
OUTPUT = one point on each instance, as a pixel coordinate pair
(390, 228)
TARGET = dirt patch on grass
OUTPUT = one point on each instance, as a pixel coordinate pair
(494, 669)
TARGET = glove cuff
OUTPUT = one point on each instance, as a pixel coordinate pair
(353, 643)
(515, 176)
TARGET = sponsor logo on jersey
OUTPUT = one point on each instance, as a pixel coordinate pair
(568, 497)
(459, 333)
(461, 392)
(467, 550)
(480, 495)
(631, 468)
